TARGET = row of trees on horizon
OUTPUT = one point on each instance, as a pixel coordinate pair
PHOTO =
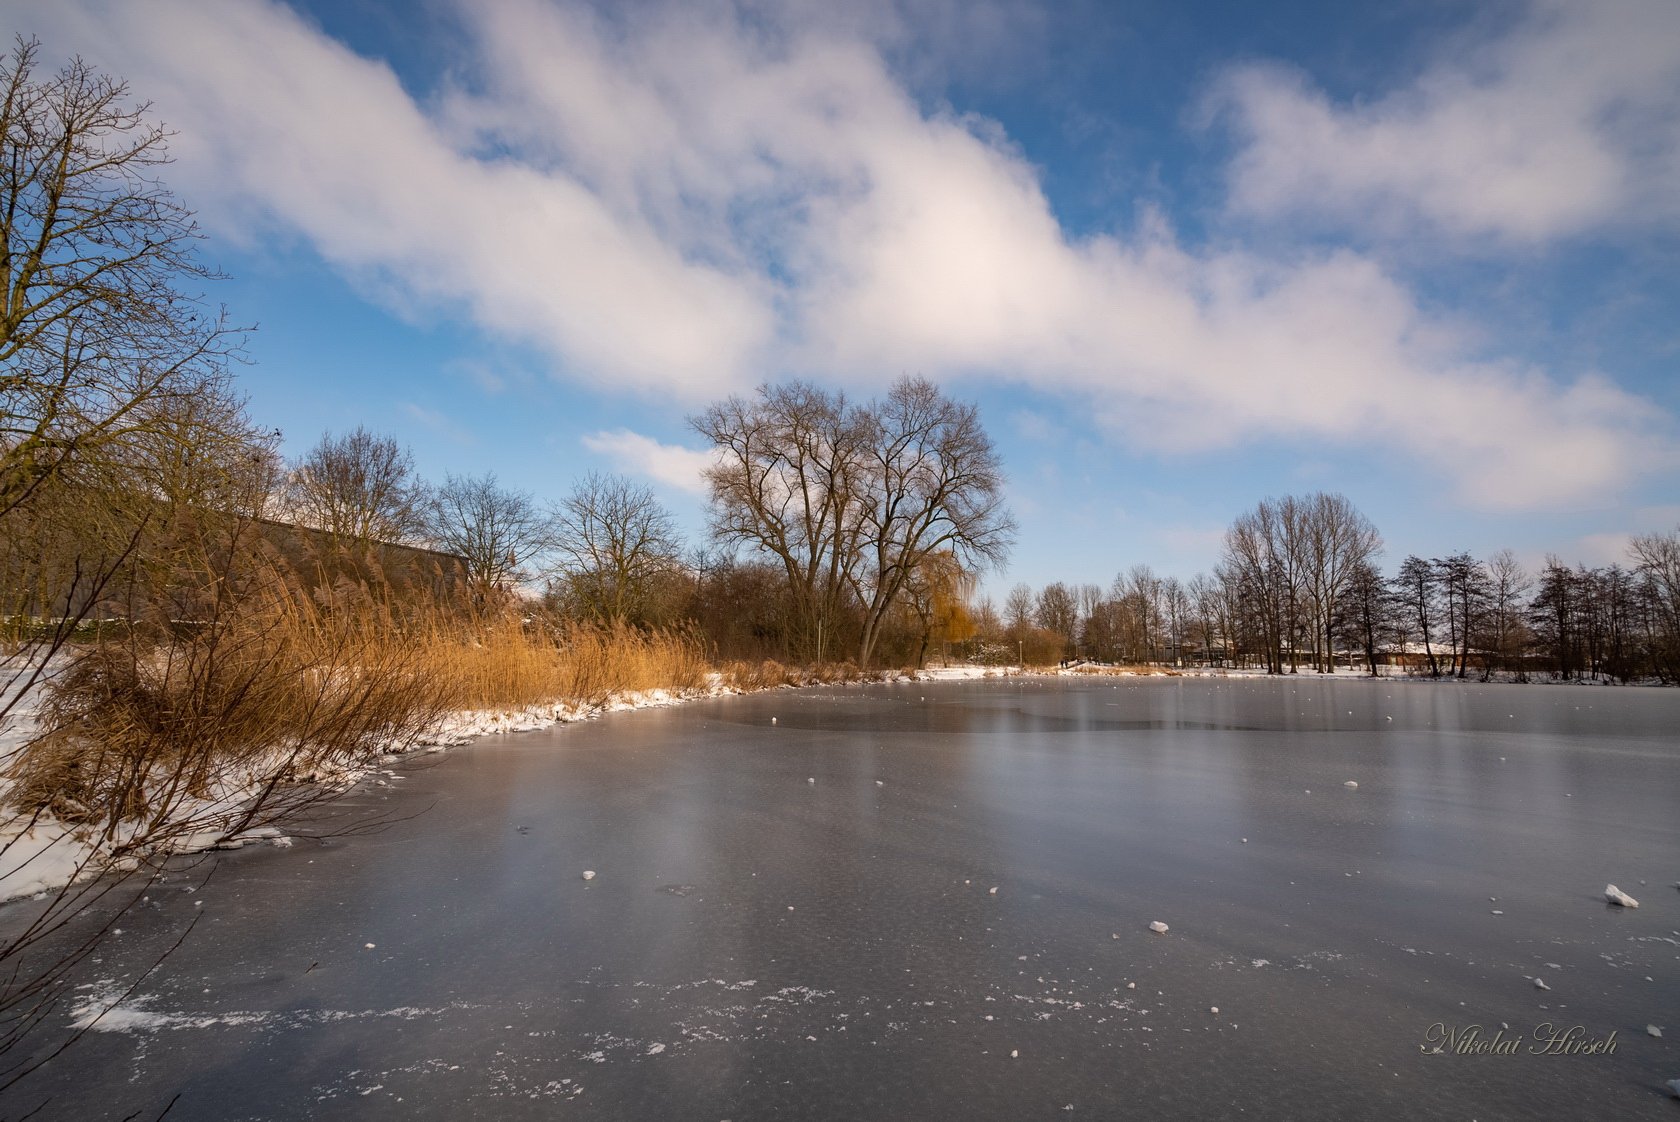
(1298, 588)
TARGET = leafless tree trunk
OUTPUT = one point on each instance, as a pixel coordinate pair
(851, 500)
(788, 485)
(359, 489)
(97, 333)
(497, 532)
(932, 483)
(1339, 538)
(1254, 556)
(613, 542)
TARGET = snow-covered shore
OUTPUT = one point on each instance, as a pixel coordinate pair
(39, 854)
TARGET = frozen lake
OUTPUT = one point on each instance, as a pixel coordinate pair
(759, 945)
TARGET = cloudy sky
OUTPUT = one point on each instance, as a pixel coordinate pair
(1185, 255)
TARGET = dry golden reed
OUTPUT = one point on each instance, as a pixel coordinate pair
(506, 661)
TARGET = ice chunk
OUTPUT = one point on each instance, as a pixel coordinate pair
(1617, 896)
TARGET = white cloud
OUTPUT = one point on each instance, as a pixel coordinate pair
(1565, 122)
(682, 200)
(635, 454)
(282, 126)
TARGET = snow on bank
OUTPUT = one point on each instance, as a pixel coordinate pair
(39, 854)
(964, 673)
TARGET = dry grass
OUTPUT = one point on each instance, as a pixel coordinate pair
(505, 661)
(141, 735)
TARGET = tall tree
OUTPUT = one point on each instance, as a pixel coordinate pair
(1416, 589)
(100, 328)
(1365, 611)
(1506, 631)
(496, 531)
(1339, 540)
(1019, 607)
(1465, 590)
(1256, 566)
(1057, 611)
(1657, 560)
(932, 484)
(787, 484)
(1555, 614)
(1175, 617)
(357, 489)
(938, 597)
(613, 541)
(852, 499)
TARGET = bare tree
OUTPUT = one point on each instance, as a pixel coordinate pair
(498, 532)
(787, 485)
(851, 500)
(1465, 586)
(613, 541)
(206, 454)
(1175, 616)
(1365, 611)
(1019, 607)
(1507, 632)
(1206, 625)
(1416, 588)
(932, 484)
(1657, 560)
(1339, 539)
(1058, 612)
(98, 329)
(1255, 564)
(359, 488)
(1138, 593)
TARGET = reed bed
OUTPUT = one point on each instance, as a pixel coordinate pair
(506, 661)
(141, 735)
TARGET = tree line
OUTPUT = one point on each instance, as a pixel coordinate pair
(1298, 588)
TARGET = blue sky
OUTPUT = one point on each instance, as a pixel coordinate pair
(1183, 255)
